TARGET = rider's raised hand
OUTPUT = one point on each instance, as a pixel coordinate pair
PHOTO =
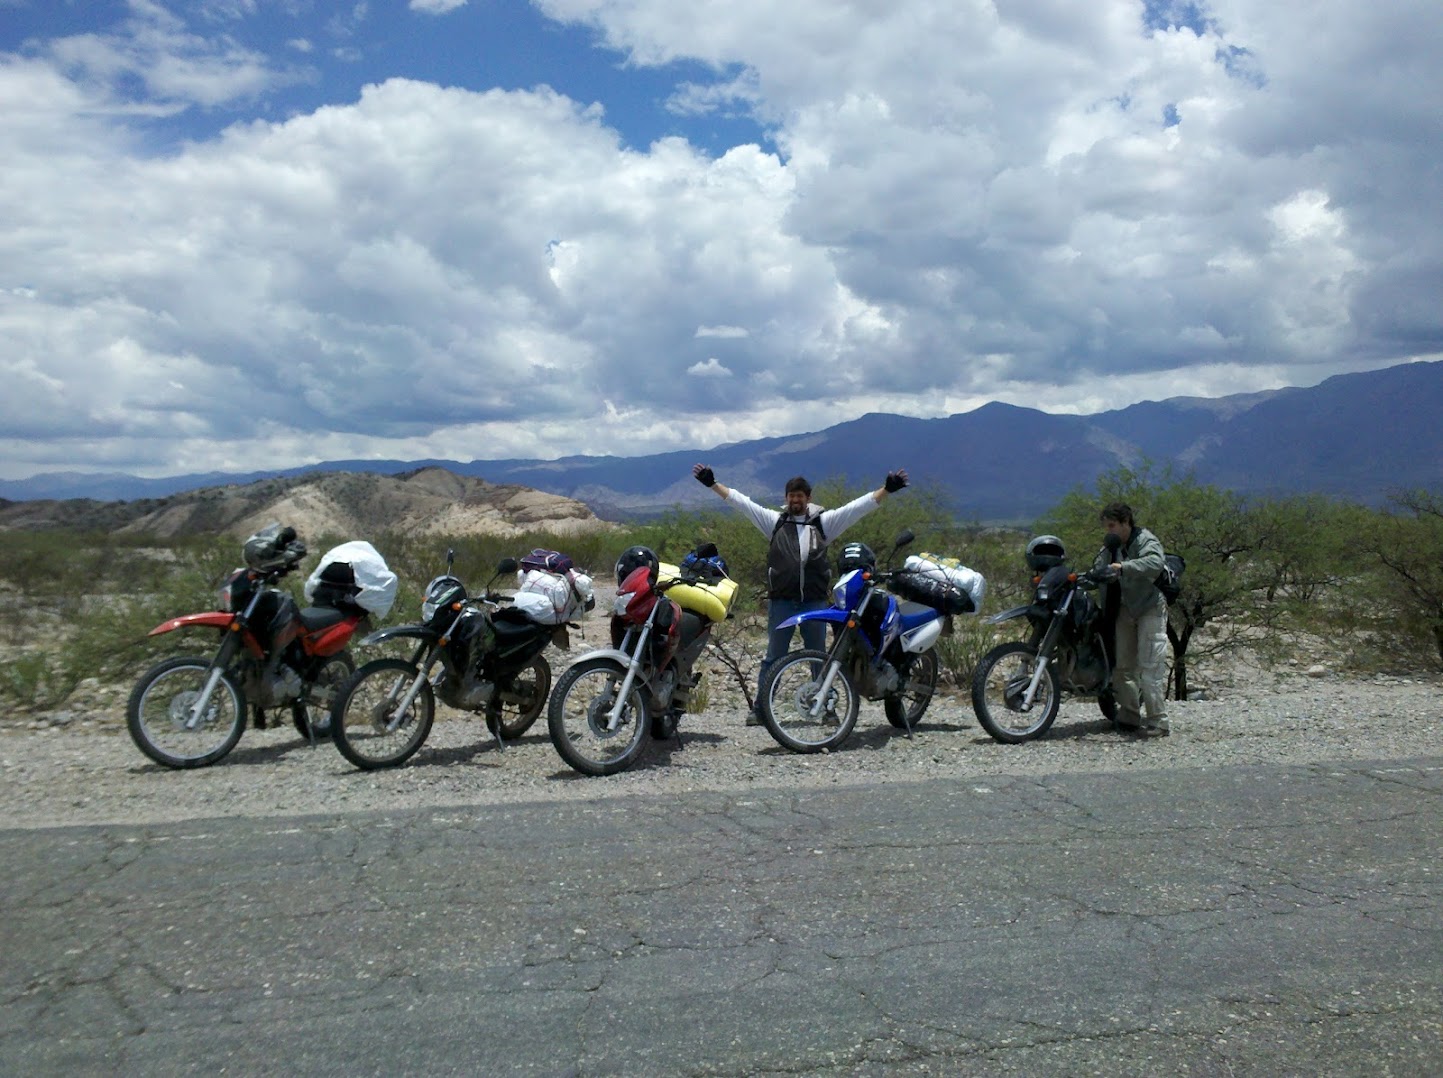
(896, 480)
(704, 475)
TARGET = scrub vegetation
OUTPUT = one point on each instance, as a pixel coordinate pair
(76, 605)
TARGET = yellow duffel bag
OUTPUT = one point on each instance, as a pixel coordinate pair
(711, 600)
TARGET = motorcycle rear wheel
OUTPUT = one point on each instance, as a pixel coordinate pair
(523, 697)
(365, 705)
(789, 698)
(312, 713)
(905, 708)
(997, 686)
(160, 704)
(577, 714)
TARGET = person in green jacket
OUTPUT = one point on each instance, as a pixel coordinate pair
(1133, 557)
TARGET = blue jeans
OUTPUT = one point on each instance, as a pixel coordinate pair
(814, 633)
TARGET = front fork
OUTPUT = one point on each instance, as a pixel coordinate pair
(613, 717)
(837, 656)
(1044, 656)
(422, 660)
(218, 665)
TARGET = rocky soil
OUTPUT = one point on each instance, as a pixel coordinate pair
(78, 765)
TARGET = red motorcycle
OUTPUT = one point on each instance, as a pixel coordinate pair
(609, 700)
(189, 711)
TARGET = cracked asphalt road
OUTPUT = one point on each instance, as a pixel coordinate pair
(1253, 919)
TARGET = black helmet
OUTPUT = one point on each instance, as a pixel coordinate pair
(273, 547)
(1044, 552)
(632, 559)
(443, 591)
(856, 556)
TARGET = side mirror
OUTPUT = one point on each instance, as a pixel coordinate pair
(903, 539)
(507, 565)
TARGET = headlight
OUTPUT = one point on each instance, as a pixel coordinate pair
(839, 591)
(234, 592)
(622, 603)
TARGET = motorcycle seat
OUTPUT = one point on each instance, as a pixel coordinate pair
(513, 624)
(323, 617)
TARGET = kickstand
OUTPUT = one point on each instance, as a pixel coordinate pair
(493, 723)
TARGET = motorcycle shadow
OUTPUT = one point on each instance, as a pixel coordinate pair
(656, 755)
(1068, 731)
(245, 756)
(873, 738)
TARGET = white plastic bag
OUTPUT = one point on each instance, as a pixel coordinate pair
(566, 595)
(375, 584)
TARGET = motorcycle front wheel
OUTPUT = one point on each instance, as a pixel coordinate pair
(158, 714)
(523, 697)
(906, 707)
(312, 713)
(998, 686)
(578, 718)
(364, 722)
(1107, 704)
(793, 709)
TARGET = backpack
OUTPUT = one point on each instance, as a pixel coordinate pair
(706, 563)
(547, 561)
(1169, 581)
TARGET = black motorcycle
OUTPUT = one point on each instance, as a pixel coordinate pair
(1017, 687)
(475, 653)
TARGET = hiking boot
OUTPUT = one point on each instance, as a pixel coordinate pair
(754, 718)
(1154, 729)
(1129, 722)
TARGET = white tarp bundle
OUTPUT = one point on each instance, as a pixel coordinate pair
(374, 584)
(951, 570)
(553, 598)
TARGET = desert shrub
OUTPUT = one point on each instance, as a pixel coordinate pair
(1406, 545)
(83, 604)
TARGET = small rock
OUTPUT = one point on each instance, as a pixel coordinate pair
(1317, 670)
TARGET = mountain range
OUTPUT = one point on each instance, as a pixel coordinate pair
(1354, 436)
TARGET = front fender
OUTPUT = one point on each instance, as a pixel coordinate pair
(616, 655)
(623, 661)
(211, 619)
(1008, 615)
(831, 614)
(397, 632)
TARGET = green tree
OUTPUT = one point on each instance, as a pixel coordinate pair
(1408, 543)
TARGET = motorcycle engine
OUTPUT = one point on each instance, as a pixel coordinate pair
(664, 686)
(885, 678)
(1082, 670)
(465, 694)
(284, 685)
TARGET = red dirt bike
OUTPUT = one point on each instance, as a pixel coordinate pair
(608, 701)
(190, 711)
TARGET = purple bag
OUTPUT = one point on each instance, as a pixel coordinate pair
(547, 561)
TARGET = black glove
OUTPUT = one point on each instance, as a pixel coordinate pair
(895, 481)
(704, 476)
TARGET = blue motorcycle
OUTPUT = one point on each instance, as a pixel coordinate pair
(886, 626)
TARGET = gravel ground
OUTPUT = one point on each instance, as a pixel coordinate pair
(78, 766)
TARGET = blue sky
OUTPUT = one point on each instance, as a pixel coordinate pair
(244, 234)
